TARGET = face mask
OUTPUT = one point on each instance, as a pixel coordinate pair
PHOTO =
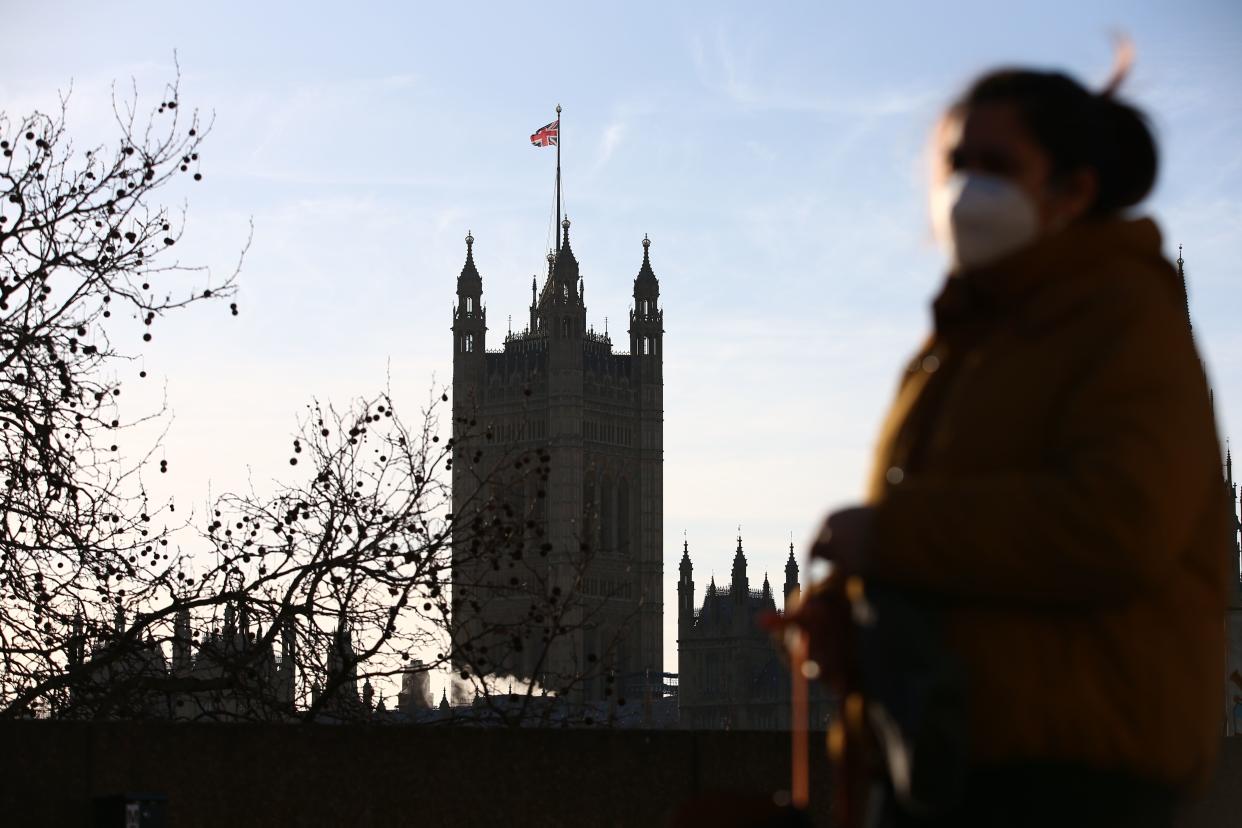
(980, 218)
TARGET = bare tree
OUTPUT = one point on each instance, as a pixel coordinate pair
(296, 602)
(353, 570)
(85, 270)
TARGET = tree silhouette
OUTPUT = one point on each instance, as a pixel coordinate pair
(85, 274)
(273, 606)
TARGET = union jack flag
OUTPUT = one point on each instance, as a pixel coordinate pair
(547, 136)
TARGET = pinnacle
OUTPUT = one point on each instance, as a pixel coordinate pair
(645, 272)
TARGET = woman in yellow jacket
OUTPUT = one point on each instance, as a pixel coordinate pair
(1049, 474)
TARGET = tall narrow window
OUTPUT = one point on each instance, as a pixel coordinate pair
(469, 304)
(623, 517)
(468, 343)
(607, 517)
(590, 520)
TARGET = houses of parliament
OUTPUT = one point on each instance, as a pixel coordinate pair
(595, 417)
(559, 389)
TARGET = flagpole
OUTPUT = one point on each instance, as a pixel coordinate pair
(557, 229)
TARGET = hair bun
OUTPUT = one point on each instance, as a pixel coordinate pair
(1125, 153)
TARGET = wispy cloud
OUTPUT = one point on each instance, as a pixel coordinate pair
(727, 68)
(614, 135)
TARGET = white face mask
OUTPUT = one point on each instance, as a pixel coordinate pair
(980, 218)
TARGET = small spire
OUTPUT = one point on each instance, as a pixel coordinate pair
(468, 270)
(645, 273)
(1181, 276)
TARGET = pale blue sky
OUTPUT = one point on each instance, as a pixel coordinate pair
(774, 153)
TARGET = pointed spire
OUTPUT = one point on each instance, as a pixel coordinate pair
(767, 587)
(566, 262)
(792, 587)
(1181, 277)
(645, 272)
(739, 584)
(469, 282)
(469, 267)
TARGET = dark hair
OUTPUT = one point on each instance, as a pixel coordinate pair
(1077, 128)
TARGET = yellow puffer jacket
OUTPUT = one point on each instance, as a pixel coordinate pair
(1050, 475)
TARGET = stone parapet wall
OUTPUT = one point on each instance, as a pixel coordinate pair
(242, 775)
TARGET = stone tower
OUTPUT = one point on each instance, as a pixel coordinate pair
(685, 593)
(792, 588)
(558, 390)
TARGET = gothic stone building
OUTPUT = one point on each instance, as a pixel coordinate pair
(730, 676)
(557, 389)
(1233, 616)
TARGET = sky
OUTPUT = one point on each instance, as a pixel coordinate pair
(775, 153)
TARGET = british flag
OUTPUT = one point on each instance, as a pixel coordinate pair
(546, 136)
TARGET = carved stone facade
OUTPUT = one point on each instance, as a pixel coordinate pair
(558, 390)
(730, 676)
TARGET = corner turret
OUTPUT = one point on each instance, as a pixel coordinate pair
(792, 589)
(647, 317)
(740, 586)
(685, 592)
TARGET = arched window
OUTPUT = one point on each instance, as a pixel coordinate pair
(607, 517)
(468, 343)
(469, 304)
(623, 517)
(590, 518)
